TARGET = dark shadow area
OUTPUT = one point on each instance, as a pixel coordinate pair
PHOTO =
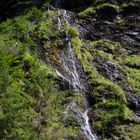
(73, 4)
(11, 8)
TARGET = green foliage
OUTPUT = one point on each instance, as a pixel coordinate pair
(133, 77)
(129, 132)
(107, 46)
(108, 5)
(73, 32)
(29, 94)
(99, 6)
(77, 44)
(113, 112)
(109, 100)
(133, 61)
(86, 12)
(34, 13)
(15, 111)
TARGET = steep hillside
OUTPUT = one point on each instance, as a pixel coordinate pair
(70, 70)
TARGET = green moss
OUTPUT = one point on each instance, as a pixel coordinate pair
(34, 13)
(26, 82)
(86, 12)
(66, 27)
(98, 6)
(113, 108)
(105, 88)
(105, 5)
(108, 50)
(73, 32)
(129, 132)
(133, 132)
(109, 100)
(77, 44)
(121, 22)
(111, 113)
(133, 60)
(129, 5)
(29, 92)
(133, 77)
(107, 46)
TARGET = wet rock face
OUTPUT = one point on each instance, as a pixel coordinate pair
(71, 4)
(125, 29)
(127, 35)
(109, 70)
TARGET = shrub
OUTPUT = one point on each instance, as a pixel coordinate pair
(73, 32)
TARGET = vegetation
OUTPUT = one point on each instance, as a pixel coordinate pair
(99, 9)
(31, 102)
(108, 99)
(133, 78)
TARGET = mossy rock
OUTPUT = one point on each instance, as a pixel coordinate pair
(101, 11)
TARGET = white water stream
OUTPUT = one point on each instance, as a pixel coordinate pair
(68, 61)
(82, 118)
(68, 58)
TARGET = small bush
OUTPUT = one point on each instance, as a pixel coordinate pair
(73, 32)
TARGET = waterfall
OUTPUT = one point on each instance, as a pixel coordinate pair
(69, 64)
(68, 58)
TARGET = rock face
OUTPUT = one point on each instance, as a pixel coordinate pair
(127, 35)
(93, 50)
(124, 29)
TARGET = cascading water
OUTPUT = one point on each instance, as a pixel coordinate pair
(68, 62)
(68, 58)
(81, 118)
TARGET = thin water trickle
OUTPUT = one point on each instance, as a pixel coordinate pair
(81, 118)
(59, 21)
(86, 127)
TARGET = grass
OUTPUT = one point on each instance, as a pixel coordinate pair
(90, 11)
(129, 132)
(133, 77)
(107, 46)
(86, 12)
(133, 61)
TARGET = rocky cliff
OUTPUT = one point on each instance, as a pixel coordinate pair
(70, 70)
